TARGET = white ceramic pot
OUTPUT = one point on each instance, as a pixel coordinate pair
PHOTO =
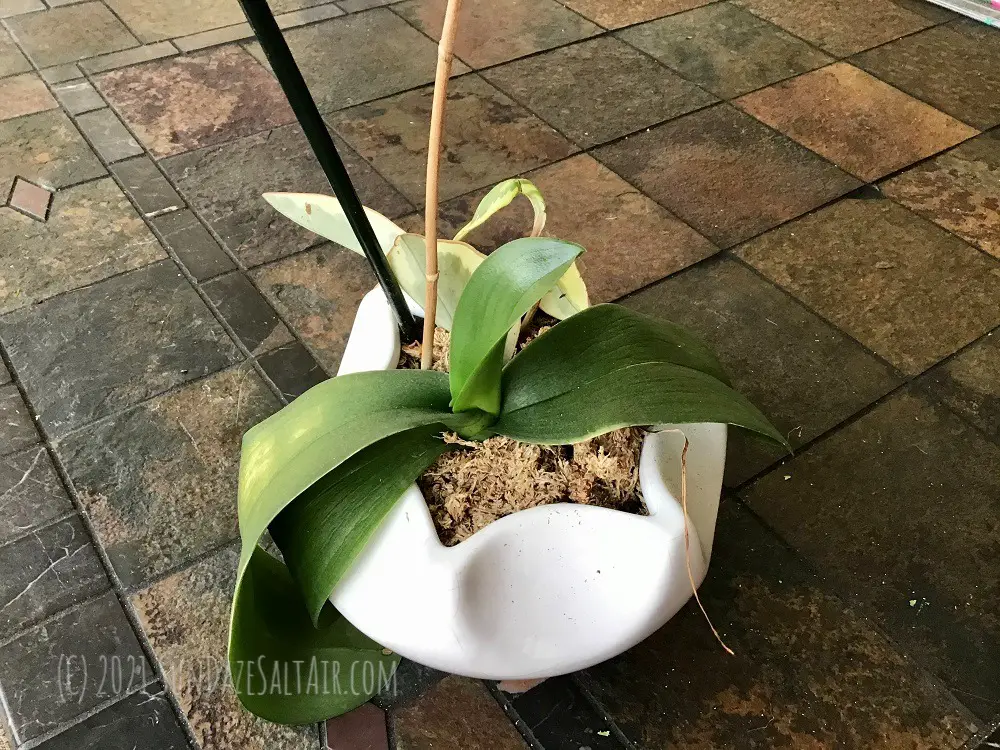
(544, 591)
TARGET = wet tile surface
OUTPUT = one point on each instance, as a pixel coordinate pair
(958, 190)
(47, 149)
(900, 285)
(159, 482)
(11, 59)
(956, 68)
(808, 670)
(16, 427)
(725, 48)
(559, 715)
(92, 233)
(630, 240)
(487, 138)
(840, 27)
(225, 185)
(252, 319)
(853, 119)
(143, 720)
(194, 245)
(917, 473)
(598, 90)
(186, 618)
(153, 21)
(46, 571)
(44, 680)
(188, 102)
(107, 134)
(23, 95)
(457, 712)
(31, 494)
(805, 375)
(293, 369)
(318, 293)
(69, 33)
(613, 14)
(503, 30)
(726, 174)
(67, 350)
(146, 186)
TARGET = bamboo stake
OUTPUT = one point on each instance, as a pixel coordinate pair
(443, 73)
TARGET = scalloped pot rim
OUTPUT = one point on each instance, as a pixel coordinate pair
(541, 592)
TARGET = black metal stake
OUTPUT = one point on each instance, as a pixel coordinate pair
(276, 49)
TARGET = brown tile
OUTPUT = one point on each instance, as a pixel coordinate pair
(956, 68)
(214, 38)
(491, 33)
(30, 199)
(24, 95)
(318, 293)
(598, 90)
(840, 27)
(16, 7)
(47, 149)
(899, 284)
(360, 729)
(928, 10)
(631, 241)
(225, 184)
(910, 533)
(11, 59)
(353, 6)
(802, 372)
(456, 713)
(92, 233)
(726, 174)
(401, 58)
(613, 14)
(959, 190)
(724, 48)
(859, 123)
(109, 137)
(128, 57)
(199, 100)
(186, 619)
(809, 672)
(488, 137)
(73, 32)
(78, 96)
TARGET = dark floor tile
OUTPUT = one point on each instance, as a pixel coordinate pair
(47, 149)
(144, 720)
(51, 568)
(110, 138)
(224, 184)
(70, 351)
(194, 245)
(929, 10)
(397, 57)
(630, 240)
(253, 320)
(861, 124)
(900, 285)
(361, 729)
(92, 233)
(724, 48)
(11, 59)
(457, 712)
(726, 174)
(955, 67)
(17, 429)
(809, 672)
(62, 35)
(804, 374)
(63, 668)
(184, 103)
(840, 27)
(78, 96)
(318, 293)
(613, 14)
(496, 32)
(560, 716)
(293, 369)
(598, 90)
(31, 494)
(159, 482)
(146, 185)
(23, 95)
(4, 374)
(958, 190)
(408, 682)
(186, 619)
(900, 511)
(488, 138)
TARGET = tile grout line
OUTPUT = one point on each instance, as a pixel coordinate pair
(510, 713)
(580, 680)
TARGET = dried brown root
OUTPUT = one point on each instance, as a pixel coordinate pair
(409, 355)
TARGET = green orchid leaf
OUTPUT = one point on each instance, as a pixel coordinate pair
(608, 367)
(499, 198)
(286, 670)
(323, 215)
(568, 297)
(321, 534)
(456, 263)
(504, 287)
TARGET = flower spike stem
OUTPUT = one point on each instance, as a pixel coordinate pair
(444, 60)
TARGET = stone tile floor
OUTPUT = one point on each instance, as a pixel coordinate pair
(814, 187)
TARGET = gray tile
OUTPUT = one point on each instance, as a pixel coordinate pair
(128, 57)
(78, 96)
(109, 136)
(146, 185)
(47, 149)
(11, 59)
(293, 369)
(31, 494)
(194, 245)
(251, 317)
(60, 73)
(4, 374)
(94, 351)
(16, 7)
(17, 430)
(64, 35)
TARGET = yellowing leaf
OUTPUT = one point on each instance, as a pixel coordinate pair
(323, 215)
(500, 197)
(568, 297)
